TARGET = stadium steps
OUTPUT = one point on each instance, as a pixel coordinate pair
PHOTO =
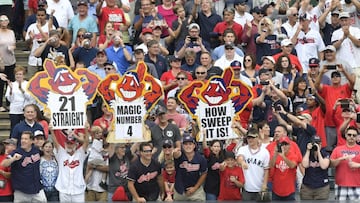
(21, 59)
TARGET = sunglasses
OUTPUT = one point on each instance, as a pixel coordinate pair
(295, 14)
(264, 24)
(179, 78)
(167, 146)
(80, 36)
(352, 135)
(108, 69)
(229, 48)
(335, 76)
(248, 60)
(200, 73)
(147, 151)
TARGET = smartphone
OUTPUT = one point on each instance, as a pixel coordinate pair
(331, 67)
(264, 82)
(278, 107)
(345, 105)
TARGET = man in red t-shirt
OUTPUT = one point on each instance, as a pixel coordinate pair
(283, 165)
(346, 160)
(113, 14)
(331, 94)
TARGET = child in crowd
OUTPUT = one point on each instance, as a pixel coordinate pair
(97, 152)
(169, 179)
(231, 178)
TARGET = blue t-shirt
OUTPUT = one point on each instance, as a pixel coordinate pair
(269, 47)
(85, 55)
(188, 172)
(89, 23)
(160, 64)
(303, 136)
(207, 24)
(23, 126)
(25, 173)
(315, 176)
(119, 58)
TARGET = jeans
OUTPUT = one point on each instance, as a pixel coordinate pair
(211, 197)
(52, 196)
(289, 197)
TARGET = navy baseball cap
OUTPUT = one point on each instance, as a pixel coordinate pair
(235, 65)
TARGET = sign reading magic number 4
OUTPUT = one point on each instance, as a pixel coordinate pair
(64, 101)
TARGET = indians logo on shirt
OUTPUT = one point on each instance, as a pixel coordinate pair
(147, 177)
(282, 166)
(30, 159)
(189, 166)
(72, 164)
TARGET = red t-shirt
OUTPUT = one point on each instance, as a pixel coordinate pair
(284, 177)
(168, 178)
(7, 190)
(114, 15)
(101, 120)
(33, 5)
(346, 176)
(294, 60)
(102, 39)
(228, 189)
(294, 148)
(222, 26)
(319, 124)
(331, 94)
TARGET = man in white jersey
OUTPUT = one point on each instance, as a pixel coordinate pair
(70, 182)
(254, 160)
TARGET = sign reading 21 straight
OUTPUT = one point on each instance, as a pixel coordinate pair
(64, 93)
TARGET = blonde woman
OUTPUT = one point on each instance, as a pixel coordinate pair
(7, 55)
(266, 40)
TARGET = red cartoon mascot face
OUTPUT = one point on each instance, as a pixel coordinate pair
(216, 93)
(130, 87)
(63, 82)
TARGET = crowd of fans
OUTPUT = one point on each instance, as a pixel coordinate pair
(300, 59)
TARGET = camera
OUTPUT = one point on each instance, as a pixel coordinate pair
(264, 82)
(314, 147)
(87, 44)
(331, 67)
(193, 39)
(88, 35)
(345, 104)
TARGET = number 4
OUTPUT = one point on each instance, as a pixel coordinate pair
(130, 131)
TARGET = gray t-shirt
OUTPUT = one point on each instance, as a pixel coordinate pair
(158, 136)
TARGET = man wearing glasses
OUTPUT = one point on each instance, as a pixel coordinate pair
(308, 42)
(346, 160)
(229, 56)
(291, 25)
(144, 177)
